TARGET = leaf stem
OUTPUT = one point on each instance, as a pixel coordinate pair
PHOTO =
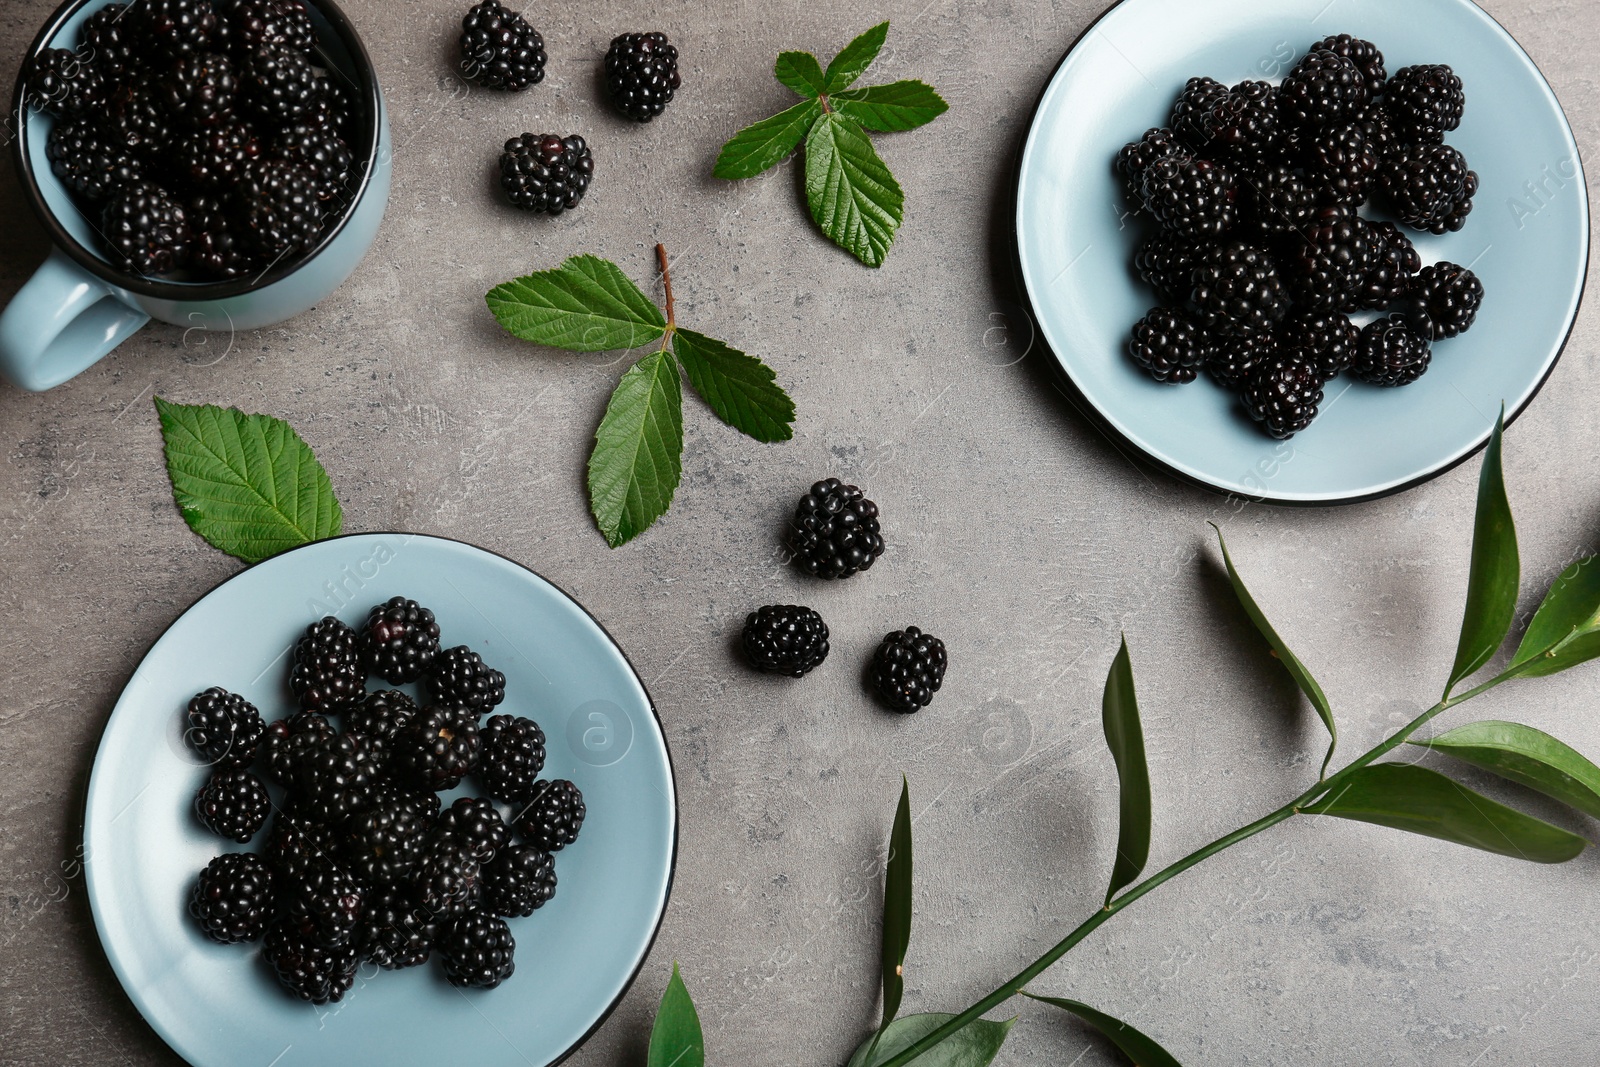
(666, 282)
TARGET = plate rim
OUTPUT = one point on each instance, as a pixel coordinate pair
(666, 746)
(1091, 411)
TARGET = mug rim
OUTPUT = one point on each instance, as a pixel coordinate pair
(369, 97)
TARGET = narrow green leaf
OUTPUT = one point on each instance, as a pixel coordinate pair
(584, 305)
(1420, 801)
(1495, 569)
(1297, 670)
(1119, 716)
(855, 57)
(1139, 1048)
(675, 1040)
(974, 1045)
(852, 195)
(1569, 617)
(902, 105)
(740, 388)
(801, 72)
(1523, 754)
(638, 450)
(246, 483)
(897, 906)
(766, 143)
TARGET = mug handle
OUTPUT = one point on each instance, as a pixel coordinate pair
(60, 323)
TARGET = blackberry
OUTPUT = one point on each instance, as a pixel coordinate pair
(1426, 102)
(273, 22)
(460, 677)
(499, 50)
(296, 846)
(64, 83)
(1364, 54)
(784, 639)
(544, 173)
(334, 779)
(1190, 109)
(1391, 276)
(319, 151)
(474, 822)
(175, 28)
(1340, 163)
(110, 43)
(1379, 130)
(214, 159)
(330, 108)
(1282, 395)
(1243, 125)
(286, 742)
(135, 120)
(1169, 345)
(1333, 257)
(279, 209)
(325, 671)
(908, 668)
(1234, 359)
(1281, 201)
(521, 880)
(233, 804)
(835, 531)
(223, 728)
(324, 905)
(279, 84)
(1191, 197)
(1323, 87)
(87, 163)
(199, 90)
(553, 815)
(424, 802)
(392, 933)
(216, 250)
(446, 880)
(400, 640)
(1238, 290)
(382, 846)
(641, 74)
(306, 969)
(1391, 353)
(1430, 187)
(478, 951)
(1137, 157)
(1447, 300)
(379, 717)
(1166, 262)
(1328, 338)
(512, 757)
(233, 898)
(437, 748)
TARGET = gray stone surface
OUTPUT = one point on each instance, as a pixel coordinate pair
(1017, 533)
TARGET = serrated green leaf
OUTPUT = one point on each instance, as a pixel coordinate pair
(766, 143)
(855, 57)
(740, 388)
(585, 305)
(1565, 631)
(852, 195)
(246, 483)
(1420, 801)
(974, 1045)
(1496, 569)
(897, 906)
(1525, 755)
(675, 1039)
(1138, 1047)
(1119, 717)
(638, 450)
(801, 72)
(902, 105)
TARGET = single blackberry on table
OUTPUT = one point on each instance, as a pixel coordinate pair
(110, 42)
(1136, 158)
(234, 897)
(384, 844)
(1429, 186)
(835, 532)
(553, 815)
(499, 50)
(1193, 197)
(214, 159)
(478, 951)
(1234, 359)
(379, 717)
(1196, 100)
(321, 152)
(233, 804)
(1340, 164)
(512, 757)
(89, 164)
(1237, 290)
(325, 672)
(460, 677)
(1167, 261)
(1333, 256)
(309, 971)
(1392, 273)
(175, 28)
(278, 83)
(64, 83)
(446, 881)
(1323, 87)
(1328, 338)
(1282, 395)
(1447, 296)
(437, 748)
(286, 743)
(199, 89)
(216, 251)
(279, 208)
(1243, 125)
(223, 728)
(334, 779)
(521, 880)
(272, 22)
(784, 639)
(324, 905)
(1281, 201)
(135, 120)
(1364, 54)
(544, 173)
(392, 933)
(296, 846)
(1169, 345)
(641, 74)
(908, 668)
(1391, 353)
(1426, 102)
(476, 823)
(400, 640)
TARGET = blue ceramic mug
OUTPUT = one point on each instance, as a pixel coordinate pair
(78, 307)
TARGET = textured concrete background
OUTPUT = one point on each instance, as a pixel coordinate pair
(1017, 534)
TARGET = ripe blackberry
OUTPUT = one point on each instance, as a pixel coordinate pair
(325, 673)
(784, 639)
(1166, 262)
(424, 802)
(446, 881)
(908, 668)
(641, 74)
(213, 159)
(512, 757)
(835, 531)
(474, 822)
(1323, 87)
(330, 109)
(279, 209)
(1190, 109)
(1234, 359)
(384, 845)
(223, 728)
(135, 120)
(392, 933)
(333, 779)
(1379, 130)
(1447, 300)
(478, 951)
(1282, 202)
(1237, 290)
(553, 815)
(1426, 102)
(1282, 394)
(437, 748)
(87, 163)
(64, 83)
(1364, 54)
(234, 897)
(521, 880)
(1391, 353)
(306, 969)
(379, 717)
(1331, 260)
(400, 640)
(499, 50)
(199, 90)
(1191, 197)
(460, 677)
(323, 905)
(321, 152)
(216, 251)
(1392, 273)
(286, 743)
(175, 28)
(296, 846)
(1137, 157)
(1243, 125)
(1429, 187)
(1340, 164)
(279, 84)
(110, 43)
(1328, 338)
(546, 174)
(1169, 345)
(273, 22)
(233, 804)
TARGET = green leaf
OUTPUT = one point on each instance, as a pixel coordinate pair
(675, 1040)
(1119, 716)
(246, 483)
(801, 72)
(897, 906)
(974, 1045)
(638, 450)
(1297, 670)
(1523, 754)
(855, 57)
(1495, 571)
(902, 105)
(1139, 1048)
(852, 195)
(1420, 801)
(1569, 618)
(740, 388)
(584, 305)
(766, 143)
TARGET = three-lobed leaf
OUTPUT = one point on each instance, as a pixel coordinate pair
(974, 1045)
(1119, 717)
(897, 906)
(741, 389)
(1525, 755)
(892, 108)
(1138, 1047)
(766, 143)
(675, 1039)
(246, 483)
(638, 450)
(801, 72)
(1495, 571)
(1565, 631)
(852, 195)
(854, 58)
(585, 305)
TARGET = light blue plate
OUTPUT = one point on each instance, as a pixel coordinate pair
(1527, 238)
(218, 1004)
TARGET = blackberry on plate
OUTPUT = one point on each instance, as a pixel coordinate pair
(460, 677)
(1281, 200)
(641, 74)
(1333, 257)
(1447, 296)
(553, 815)
(286, 743)
(1430, 187)
(1167, 261)
(1327, 337)
(175, 28)
(1243, 125)
(334, 778)
(1169, 345)
(379, 717)
(835, 531)
(1392, 273)
(233, 804)
(475, 823)
(1391, 353)
(213, 159)
(1234, 359)
(446, 881)
(784, 639)
(392, 933)
(279, 83)
(1323, 87)
(1191, 197)
(319, 151)
(400, 640)
(325, 672)
(234, 897)
(1282, 395)
(110, 43)
(544, 173)
(323, 905)
(64, 83)
(1340, 163)
(478, 951)
(223, 728)
(1379, 130)
(1237, 290)
(199, 90)
(275, 22)
(908, 668)
(87, 163)
(310, 971)
(382, 845)
(330, 108)
(1364, 54)
(499, 50)
(279, 209)
(1426, 101)
(512, 757)
(135, 120)
(437, 748)
(521, 880)
(1137, 157)
(296, 846)
(1196, 100)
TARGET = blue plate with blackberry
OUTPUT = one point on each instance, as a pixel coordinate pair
(1298, 252)
(382, 798)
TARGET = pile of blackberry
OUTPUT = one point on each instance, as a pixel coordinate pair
(206, 139)
(362, 861)
(1260, 249)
